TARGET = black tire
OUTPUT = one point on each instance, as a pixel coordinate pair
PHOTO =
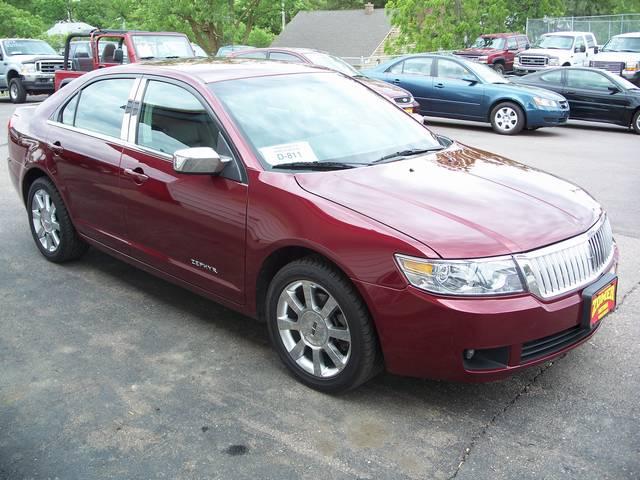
(364, 360)
(499, 67)
(70, 246)
(505, 126)
(17, 93)
(635, 123)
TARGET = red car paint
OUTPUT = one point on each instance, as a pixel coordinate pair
(504, 56)
(458, 203)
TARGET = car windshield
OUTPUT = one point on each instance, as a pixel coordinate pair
(27, 47)
(489, 42)
(319, 118)
(622, 44)
(162, 46)
(560, 42)
(486, 74)
(332, 62)
(623, 82)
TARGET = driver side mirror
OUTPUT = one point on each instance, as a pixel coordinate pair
(613, 89)
(580, 49)
(472, 80)
(199, 161)
(596, 49)
(1, 56)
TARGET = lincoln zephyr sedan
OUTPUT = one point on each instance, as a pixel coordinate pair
(363, 239)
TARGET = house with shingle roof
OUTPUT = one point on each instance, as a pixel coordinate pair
(358, 36)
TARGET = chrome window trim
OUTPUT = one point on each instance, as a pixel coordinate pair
(90, 133)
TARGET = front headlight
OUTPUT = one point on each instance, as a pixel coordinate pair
(483, 59)
(27, 68)
(545, 102)
(516, 60)
(554, 61)
(490, 276)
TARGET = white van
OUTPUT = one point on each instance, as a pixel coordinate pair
(555, 50)
(621, 55)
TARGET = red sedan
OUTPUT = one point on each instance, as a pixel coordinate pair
(363, 240)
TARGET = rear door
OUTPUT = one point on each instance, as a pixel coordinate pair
(590, 97)
(453, 95)
(415, 75)
(86, 138)
(191, 227)
(511, 51)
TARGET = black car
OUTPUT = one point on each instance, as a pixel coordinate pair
(593, 95)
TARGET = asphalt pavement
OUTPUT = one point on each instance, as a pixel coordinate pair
(108, 372)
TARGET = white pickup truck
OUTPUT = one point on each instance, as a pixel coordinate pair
(555, 50)
(621, 55)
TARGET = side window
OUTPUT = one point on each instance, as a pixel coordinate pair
(397, 68)
(591, 41)
(287, 57)
(553, 78)
(451, 69)
(172, 118)
(579, 43)
(112, 50)
(68, 114)
(262, 55)
(512, 44)
(101, 106)
(419, 66)
(588, 80)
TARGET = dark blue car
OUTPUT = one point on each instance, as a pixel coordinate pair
(446, 86)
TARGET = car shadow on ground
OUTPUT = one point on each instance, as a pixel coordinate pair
(458, 397)
(485, 127)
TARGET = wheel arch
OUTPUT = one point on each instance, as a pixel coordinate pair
(510, 100)
(11, 74)
(31, 176)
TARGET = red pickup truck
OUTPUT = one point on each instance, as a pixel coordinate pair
(496, 50)
(85, 52)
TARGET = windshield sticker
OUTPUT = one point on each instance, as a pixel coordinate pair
(288, 152)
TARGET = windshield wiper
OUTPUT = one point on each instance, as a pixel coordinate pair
(317, 165)
(173, 56)
(406, 153)
(147, 58)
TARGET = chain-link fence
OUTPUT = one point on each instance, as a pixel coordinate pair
(602, 26)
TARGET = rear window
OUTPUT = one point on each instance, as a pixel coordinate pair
(101, 106)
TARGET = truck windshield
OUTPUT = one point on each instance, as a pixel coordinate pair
(488, 42)
(27, 47)
(162, 46)
(559, 42)
(622, 44)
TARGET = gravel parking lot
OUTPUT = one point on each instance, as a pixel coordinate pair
(108, 372)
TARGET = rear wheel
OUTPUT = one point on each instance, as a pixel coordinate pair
(320, 326)
(51, 227)
(507, 118)
(635, 123)
(17, 93)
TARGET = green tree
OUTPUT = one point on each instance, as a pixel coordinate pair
(15, 22)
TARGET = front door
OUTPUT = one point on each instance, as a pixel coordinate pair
(189, 226)
(85, 143)
(591, 97)
(453, 94)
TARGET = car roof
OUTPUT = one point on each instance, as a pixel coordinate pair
(208, 70)
(629, 35)
(284, 49)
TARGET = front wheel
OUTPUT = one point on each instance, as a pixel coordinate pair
(51, 227)
(635, 123)
(17, 93)
(320, 326)
(507, 118)
(499, 68)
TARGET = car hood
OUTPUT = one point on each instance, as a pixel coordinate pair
(550, 52)
(478, 51)
(35, 58)
(384, 88)
(519, 89)
(462, 202)
(616, 57)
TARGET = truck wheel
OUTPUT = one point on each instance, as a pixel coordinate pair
(499, 67)
(17, 93)
(507, 118)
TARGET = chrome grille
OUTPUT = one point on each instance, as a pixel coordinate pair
(49, 66)
(568, 265)
(530, 61)
(613, 67)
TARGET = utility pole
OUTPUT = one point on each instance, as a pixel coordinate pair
(284, 18)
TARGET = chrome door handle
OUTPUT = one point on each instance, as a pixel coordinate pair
(56, 147)
(137, 174)
(439, 85)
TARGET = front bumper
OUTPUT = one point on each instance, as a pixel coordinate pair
(38, 82)
(538, 117)
(522, 70)
(425, 336)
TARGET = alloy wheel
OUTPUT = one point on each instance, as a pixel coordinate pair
(313, 329)
(45, 220)
(13, 91)
(506, 119)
